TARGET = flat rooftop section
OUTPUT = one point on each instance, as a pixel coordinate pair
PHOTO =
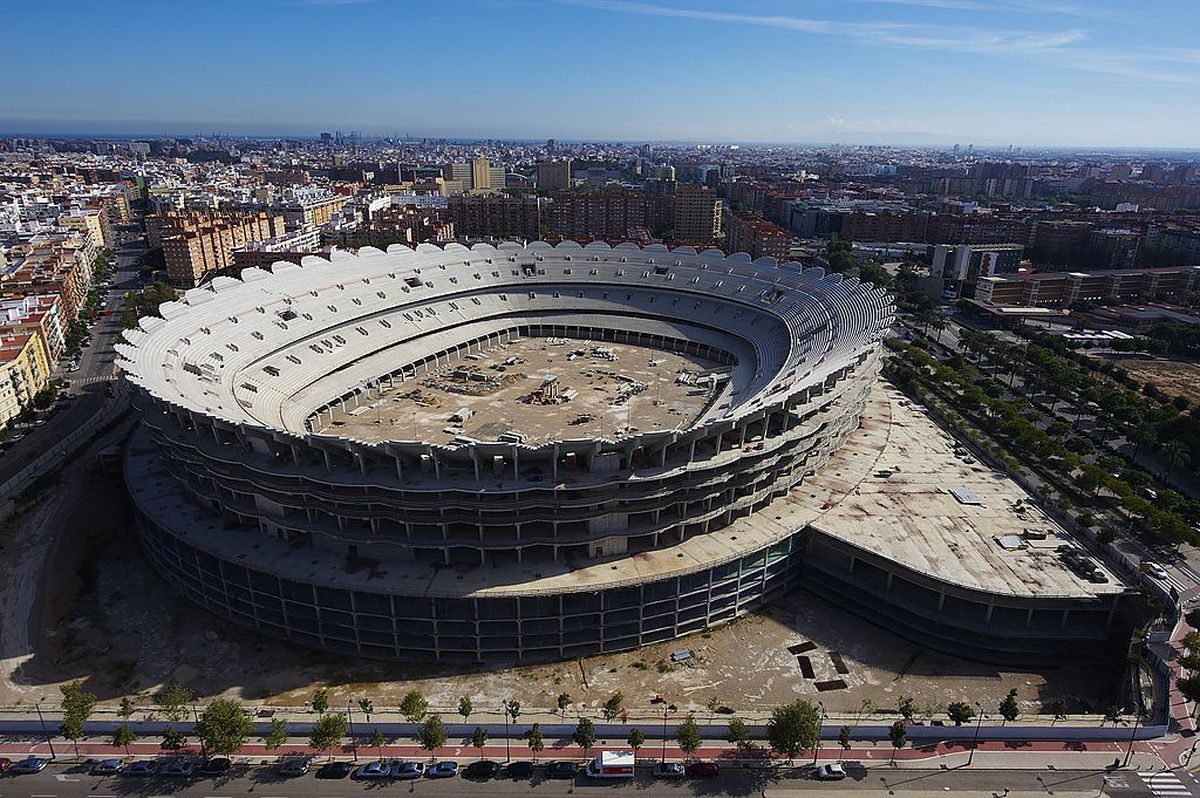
(541, 388)
(906, 510)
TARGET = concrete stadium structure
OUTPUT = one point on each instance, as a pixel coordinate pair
(395, 548)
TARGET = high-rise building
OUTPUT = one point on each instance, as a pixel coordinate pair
(198, 244)
(697, 215)
(554, 175)
(481, 173)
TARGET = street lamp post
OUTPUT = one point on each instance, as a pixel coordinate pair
(507, 749)
(353, 741)
(975, 742)
(820, 726)
(49, 741)
(1137, 717)
(664, 734)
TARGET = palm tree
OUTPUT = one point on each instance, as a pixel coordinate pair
(1176, 454)
(1141, 435)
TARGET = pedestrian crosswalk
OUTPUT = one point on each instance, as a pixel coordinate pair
(1165, 784)
(92, 380)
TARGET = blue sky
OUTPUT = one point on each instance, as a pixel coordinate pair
(1054, 72)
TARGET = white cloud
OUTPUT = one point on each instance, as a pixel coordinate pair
(1056, 49)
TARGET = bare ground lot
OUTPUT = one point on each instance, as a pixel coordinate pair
(1172, 377)
(115, 624)
(617, 388)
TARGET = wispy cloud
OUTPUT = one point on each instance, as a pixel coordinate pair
(1056, 48)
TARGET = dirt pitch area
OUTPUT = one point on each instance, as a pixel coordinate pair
(113, 622)
(1172, 377)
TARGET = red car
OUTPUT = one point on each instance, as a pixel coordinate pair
(703, 770)
(5, 763)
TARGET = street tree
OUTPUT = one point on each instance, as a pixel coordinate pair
(533, 738)
(844, 739)
(960, 712)
(125, 711)
(277, 735)
(1009, 710)
(320, 700)
(739, 735)
(123, 737)
(688, 735)
(173, 740)
(636, 739)
(465, 708)
(898, 734)
(377, 740)
(907, 708)
(585, 734)
(512, 710)
(613, 706)
(1058, 709)
(328, 732)
(414, 706)
(173, 701)
(793, 728)
(564, 701)
(432, 734)
(1112, 715)
(367, 707)
(224, 727)
(77, 706)
(479, 739)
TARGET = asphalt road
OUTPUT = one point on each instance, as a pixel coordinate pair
(89, 385)
(262, 781)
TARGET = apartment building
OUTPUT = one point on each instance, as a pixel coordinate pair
(748, 233)
(697, 215)
(312, 212)
(607, 214)
(496, 216)
(554, 175)
(24, 370)
(39, 314)
(199, 244)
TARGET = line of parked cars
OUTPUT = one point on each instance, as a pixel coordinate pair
(481, 770)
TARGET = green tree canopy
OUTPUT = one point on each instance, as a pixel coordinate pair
(329, 731)
(432, 734)
(123, 737)
(173, 701)
(688, 735)
(277, 735)
(585, 734)
(613, 706)
(793, 728)
(224, 727)
(413, 706)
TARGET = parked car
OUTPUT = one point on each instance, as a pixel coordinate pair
(177, 768)
(519, 770)
(703, 770)
(830, 772)
(447, 769)
(444, 769)
(144, 767)
(373, 771)
(293, 766)
(5, 763)
(105, 767)
(408, 770)
(33, 764)
(482, 770)
(334, 770)
(562, 770)
(217, 766)
(669, 770)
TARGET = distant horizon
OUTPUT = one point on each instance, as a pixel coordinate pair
(1046, 74)
(134, 135)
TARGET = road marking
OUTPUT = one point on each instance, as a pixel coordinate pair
(1165, 784)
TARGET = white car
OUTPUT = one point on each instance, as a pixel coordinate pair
(830, 772)
(1155, 570)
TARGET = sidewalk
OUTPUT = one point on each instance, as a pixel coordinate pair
(989, 755)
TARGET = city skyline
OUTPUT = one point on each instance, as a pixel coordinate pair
(898, 72)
